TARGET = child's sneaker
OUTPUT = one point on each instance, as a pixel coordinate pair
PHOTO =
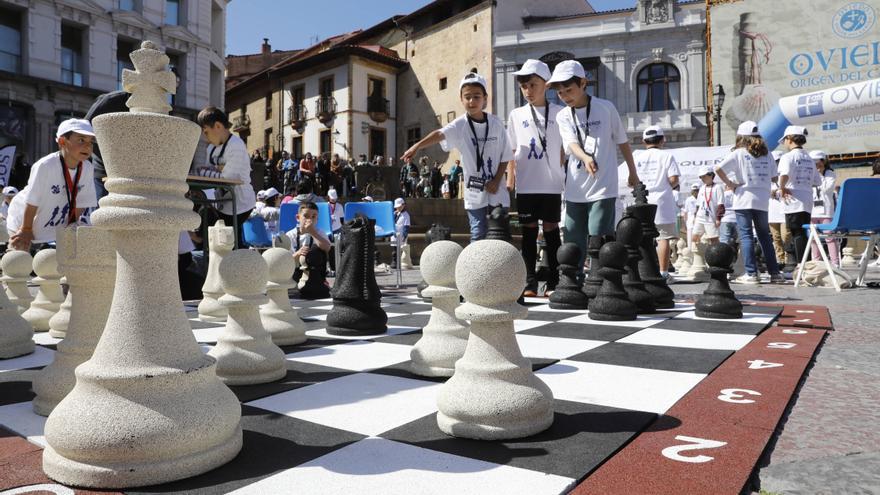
(747, 279)
(777, 278)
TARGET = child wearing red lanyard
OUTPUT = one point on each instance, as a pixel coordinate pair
(710, 207)
(60, 188)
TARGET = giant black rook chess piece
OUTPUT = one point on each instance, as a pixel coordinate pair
(612, 303)
(356, 297)
(718, 300)
(649, 264)
(568, 294)
(437, 232)
(629, 232)
(499, 224)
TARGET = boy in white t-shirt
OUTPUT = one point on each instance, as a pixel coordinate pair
(776, 217)
(658, 170)
(689, 212)
(60, 188)
(592, 132)
(536, 171)
(480, 138)
(797, 177)
(710, 207)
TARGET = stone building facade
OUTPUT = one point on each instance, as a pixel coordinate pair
(58, 55)
(648, 60)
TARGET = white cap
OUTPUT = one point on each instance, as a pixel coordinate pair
(652, 131)
(535, 67)
(368, 199)
(817, 155)
(748, 128)
(79, 126)
(695, 187)
(10, 191)
(705, 170)
(332, 194)
(271, 192)
(777, 154)
(567, 69)
(474, 78)
(399, 202)
(261, 194)
(793, 130)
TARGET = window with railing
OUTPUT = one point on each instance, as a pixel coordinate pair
(72, 60)
(659, 88)
(10, 40)
(325, 107)
(297, 114)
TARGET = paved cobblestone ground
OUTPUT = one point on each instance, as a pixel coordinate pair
(829, 441)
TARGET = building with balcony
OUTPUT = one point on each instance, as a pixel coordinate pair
(56, 56)
(648, 60)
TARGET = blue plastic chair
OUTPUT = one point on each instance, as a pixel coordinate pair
(287, 217)
(857, 214)
(255, 233)
(325, 223)
(382, 212)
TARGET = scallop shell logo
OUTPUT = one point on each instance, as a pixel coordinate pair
(853, 20)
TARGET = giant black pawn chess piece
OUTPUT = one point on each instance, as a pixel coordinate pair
(568, 294)
(718, 300)
(437, 232)
(649, 264)
(629, 232)
(499, 224)
(612, 303)
(356, 297)
(313, 268)
(593, 281)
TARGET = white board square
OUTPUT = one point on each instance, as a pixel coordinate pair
(43, 338)
(537, 346)
(364, 403)
(521, 325)
(637, 389)
(639, 322)
(377, 465)
(21, 418)
(359, 355)
(691, 340)
(392, 330)
(40, 357)
(757, 318)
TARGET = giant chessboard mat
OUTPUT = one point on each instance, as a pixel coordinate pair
(668, 403)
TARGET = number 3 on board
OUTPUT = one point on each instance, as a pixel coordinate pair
(674, 452)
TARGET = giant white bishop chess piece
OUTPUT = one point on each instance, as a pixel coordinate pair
(493, 394)
(221, 240)
(147, 408)
(445, 337)
(86, 255)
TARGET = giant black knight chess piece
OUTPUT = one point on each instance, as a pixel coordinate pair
(649, 264)
(612, 303)
(718, 300)
(356, 297)
(437, 232)
(629, 232)
(499, 224)
(568, 294)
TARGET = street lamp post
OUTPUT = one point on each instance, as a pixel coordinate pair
(718, 102)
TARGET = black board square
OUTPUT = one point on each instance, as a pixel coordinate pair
(606, 333)
(655, 357)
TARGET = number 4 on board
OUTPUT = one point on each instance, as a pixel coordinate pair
(760, 364)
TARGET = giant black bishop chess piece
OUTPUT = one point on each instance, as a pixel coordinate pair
(718, 300)
(568, 294)
(629, 232)
(612, 303)
(437, 232)
(649, 264)
(499, 224)
(356, 297)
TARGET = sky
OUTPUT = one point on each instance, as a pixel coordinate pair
(293, 24)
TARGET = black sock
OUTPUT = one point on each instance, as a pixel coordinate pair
(553, 241)
(530, 255)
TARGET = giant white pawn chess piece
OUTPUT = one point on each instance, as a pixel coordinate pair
(59, 323)
(221, 240)
(698, 269)
(16, 334)
(147, 408)
(17, 267)
(493, 394)
(244, 352)
(87, 256)
(445, 337)
(49, 293)
(279, 318)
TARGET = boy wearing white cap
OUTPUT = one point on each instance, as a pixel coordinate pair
(480, 138)
(824, 204)
(776, 217)
(748, 171)
(536, 171)
(9, 193)
(710, 207)
(60, 188)
(591, 132)
(797, 177)
(690, 213)
(658, 170)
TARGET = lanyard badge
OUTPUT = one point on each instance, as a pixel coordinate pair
(70, 186)
(477, 141)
